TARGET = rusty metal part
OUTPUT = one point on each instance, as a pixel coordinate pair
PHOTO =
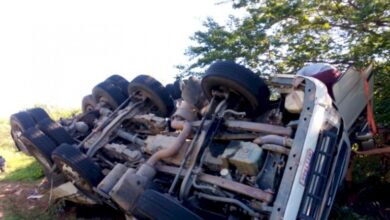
(128, 112)
(223, 183)
(259, 127)
(185, 111)
(192, 92)
(276, 148)
(249, 126)
(230, 136)
(168, 152)
(190, 148)
(283, 79)
(187, 154)
(274, 139)
(121, 151)
(184, 187)
(108, 115)
(155, 143)
(202, 142)
(112, 178)
(130, 137)
(153, 123)
(275, 116)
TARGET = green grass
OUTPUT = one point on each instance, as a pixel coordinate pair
(19, 167)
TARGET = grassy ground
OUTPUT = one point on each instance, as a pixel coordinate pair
(19, 167)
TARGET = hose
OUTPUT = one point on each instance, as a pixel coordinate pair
(274, 139)
(168, 152)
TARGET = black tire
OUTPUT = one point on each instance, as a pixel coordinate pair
(55, 131)
(38, 114)
(174, 90)
(40, 146)
(89, 174)
(88, 103)
(154, 205)
(109, 94)
(89, 118)
(242, 82)
(119, 82)
(20, 122)
(155, 92)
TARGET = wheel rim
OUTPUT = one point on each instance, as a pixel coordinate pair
(74, 176)
(104, 101)
(89, 108)
(16, 133)
(155, 107)
(41, 159)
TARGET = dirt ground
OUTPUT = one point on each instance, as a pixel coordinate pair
(20, 200)
(17, 200)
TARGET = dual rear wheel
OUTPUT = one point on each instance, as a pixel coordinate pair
(115, 90)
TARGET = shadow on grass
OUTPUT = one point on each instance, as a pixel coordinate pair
(29, 172)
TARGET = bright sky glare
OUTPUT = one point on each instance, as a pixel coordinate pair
(54, 52)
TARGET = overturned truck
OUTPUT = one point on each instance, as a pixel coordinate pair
(213, 148)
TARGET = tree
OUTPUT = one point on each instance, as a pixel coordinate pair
(280, 36)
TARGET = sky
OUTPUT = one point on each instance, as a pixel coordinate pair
(54, 52)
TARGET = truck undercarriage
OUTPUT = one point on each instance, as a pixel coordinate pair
(217, 147)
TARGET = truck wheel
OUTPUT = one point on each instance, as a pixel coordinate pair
(88, 103)
(38, 114)
(241, 82)
(40, 146)
(152, 89)
(119, 82)
(155, 205)
(20, 122)
(109, 94)
(55, 131)
(89, 118)
(77, 167)
(174, 90)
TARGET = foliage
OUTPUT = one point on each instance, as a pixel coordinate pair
(345, 212)
(382, 95)
(56, 112)
(5, 138)
(371, 167)
(280, 36)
